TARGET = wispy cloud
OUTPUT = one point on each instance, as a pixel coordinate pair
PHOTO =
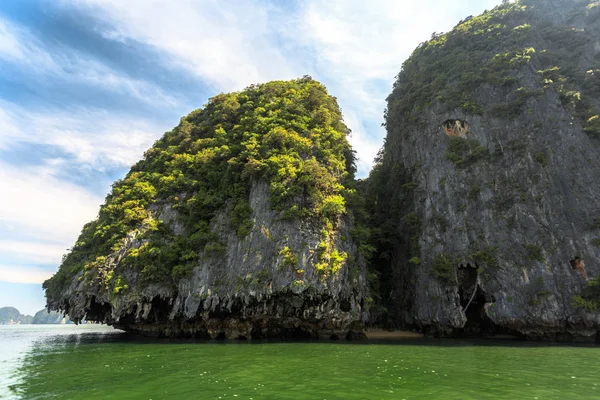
(32, 252)
(228, 46)
(46, 208)
(19, 274)
(21, 47)
(18, 45)
(93, 137)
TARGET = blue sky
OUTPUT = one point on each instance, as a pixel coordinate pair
(87, 85)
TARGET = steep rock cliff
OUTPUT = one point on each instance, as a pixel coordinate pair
(234, 225)
(489, 180)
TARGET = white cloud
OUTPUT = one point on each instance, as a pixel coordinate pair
(21, 47)
(32, 252)
(44, 207)
(93, 137)
(17, 274)
(229, 46)
(9, 45)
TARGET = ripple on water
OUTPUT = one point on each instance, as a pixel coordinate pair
(91, 364)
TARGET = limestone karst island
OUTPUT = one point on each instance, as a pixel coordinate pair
(481, 216)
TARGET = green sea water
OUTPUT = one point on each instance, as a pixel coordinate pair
(95, 362)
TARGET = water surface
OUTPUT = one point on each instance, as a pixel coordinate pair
(89, 362)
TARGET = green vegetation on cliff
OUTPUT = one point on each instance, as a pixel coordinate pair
(589, 298)
(486, 53)
(289, 134)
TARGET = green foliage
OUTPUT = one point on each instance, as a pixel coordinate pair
(474, 192)
(514, 57)
(443, 269)
(580, 302)
(337, 260)
(577, 90)
(412, 220)
(486, 258)
(240, 218)
(534, 253)
(333, 207)
(289, 134)
(592, 126)
(465, 152)
(120, 285)
(361, 235)
(442, 183)
(216, 249)
(329, 260)
(394, 230)
(415, 260)
(513, 108)
(590, 296)
(540, 158)
(290, 260)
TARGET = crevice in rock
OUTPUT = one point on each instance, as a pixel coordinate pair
(478, 323)
(472, 300)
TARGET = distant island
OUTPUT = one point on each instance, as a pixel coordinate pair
(12, 316)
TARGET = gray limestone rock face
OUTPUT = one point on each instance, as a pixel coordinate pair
(500, 213)
(246, 291)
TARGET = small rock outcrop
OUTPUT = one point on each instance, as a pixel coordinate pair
(478, 231)
(234, 225)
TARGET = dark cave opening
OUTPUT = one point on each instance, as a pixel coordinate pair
(345, 305)
(297, 333)
(160, 310)
(472, 300)
(128, 318)
(97, 312)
